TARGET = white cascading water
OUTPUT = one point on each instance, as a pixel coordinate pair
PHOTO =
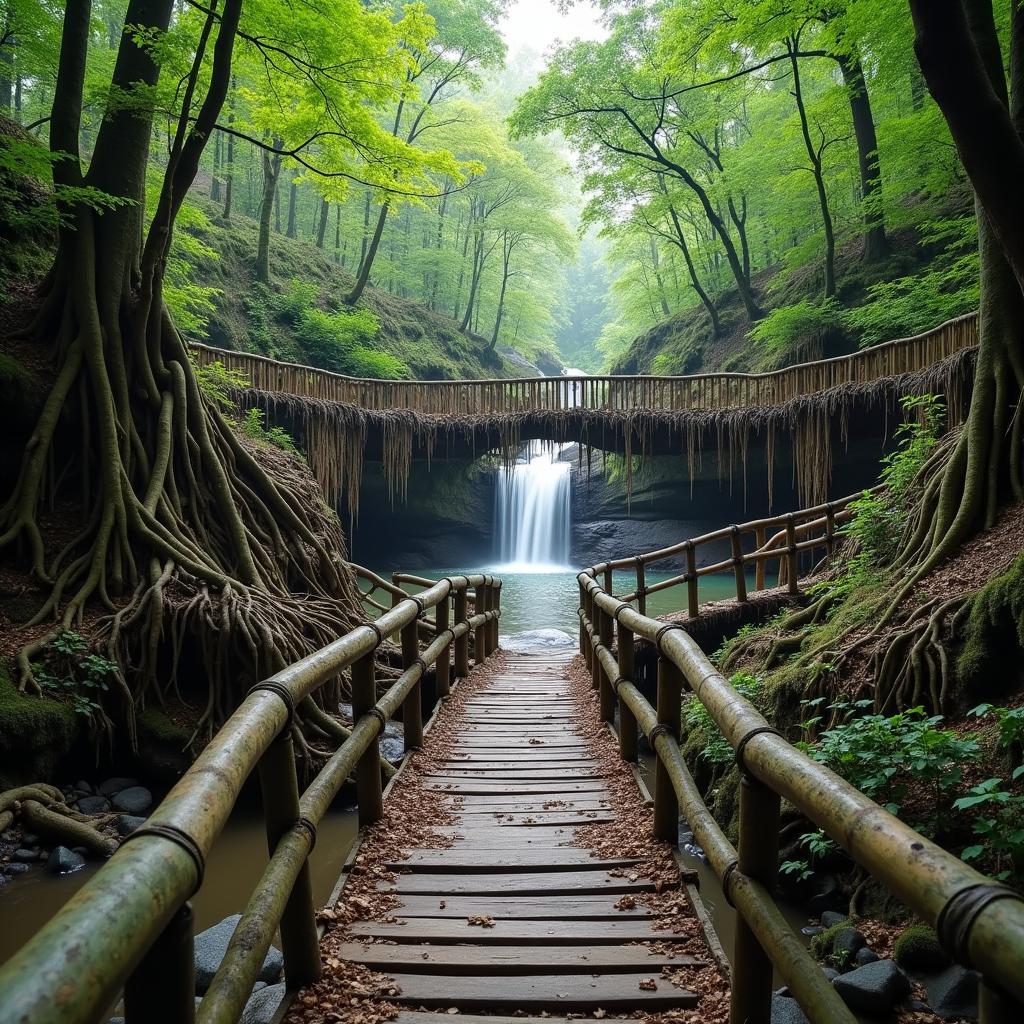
(533, 513)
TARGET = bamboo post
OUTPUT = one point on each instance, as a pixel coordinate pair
(396, 599)
(627, 720)
(443, 665)
(412, 707)
(758, 859)
(462, 643)
(585, 613)
(830, 530)
(607, 694)
(595, 661)
(641, 587)
(693, 605)
(791, 553)
(300, 943)
(609, 588)
(369, 798)
(666, 803)
(737, 564)
(480, 605)
(496, 621)
(161, 989)
(759, 540)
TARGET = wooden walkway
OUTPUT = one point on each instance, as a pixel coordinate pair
(512, 917)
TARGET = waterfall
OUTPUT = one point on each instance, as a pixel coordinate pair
(533, 513)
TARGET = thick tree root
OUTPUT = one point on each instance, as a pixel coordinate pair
(41, 808)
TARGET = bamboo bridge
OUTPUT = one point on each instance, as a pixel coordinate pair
(533, 879)
(343, 422)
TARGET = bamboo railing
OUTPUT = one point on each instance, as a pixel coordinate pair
(603, 392)
(130, 926)
(781, 538)
(980, 923)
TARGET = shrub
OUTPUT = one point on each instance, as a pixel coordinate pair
(217, 382)
(252, 427)
(788, 329)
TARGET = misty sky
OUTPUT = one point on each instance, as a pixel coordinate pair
(536, 24)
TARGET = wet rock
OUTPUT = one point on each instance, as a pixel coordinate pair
(211, 946)
(3, 879)
(126, 824)
(825, 894)
(812, 929)
(262, 1005)
(831, 917)
(63, 861)
(83, 787)
(873, 989)
(94, 805)
(25, 855)
(953, 993)
(30, 839)
(116, 785)
(865, 955)
(534, 639)
(831, 973)
(134, 800)
(15, 868)
(786, 1010)
(846, 942)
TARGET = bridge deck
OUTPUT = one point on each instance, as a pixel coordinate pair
(499, 903)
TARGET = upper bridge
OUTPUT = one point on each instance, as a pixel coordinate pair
(343, 421)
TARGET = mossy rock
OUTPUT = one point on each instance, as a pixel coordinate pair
(918, 948)
(163, 746)
(36, 734)
(823, 942)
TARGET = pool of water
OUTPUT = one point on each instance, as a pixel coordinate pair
(547, 598)
(235, 864)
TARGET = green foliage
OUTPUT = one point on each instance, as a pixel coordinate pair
(253, 428)
(822, 943)
(218, 383)
(993, 634)
(917, 946)
(887, 757)
(788, 331)
(879, 519)
(69, 671)
(716, 749)
(997, 815)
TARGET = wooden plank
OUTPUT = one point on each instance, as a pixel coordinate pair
(447, 861)
(520, 908)
(515, 774)
(518, 883)
(413, 1017)
(449, 931)
(526, 763)
(524, 789)
(539, 992)
(508, 960)
(511, 805)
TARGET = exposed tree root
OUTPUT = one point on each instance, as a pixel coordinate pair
(41, 808)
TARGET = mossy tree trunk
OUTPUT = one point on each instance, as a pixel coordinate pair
(184, 536)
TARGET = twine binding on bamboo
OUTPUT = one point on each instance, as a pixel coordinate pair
(180, 838)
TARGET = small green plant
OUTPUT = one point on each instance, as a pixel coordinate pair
(998, 824)
(695, 716)
(886, 756)
(789, 329)
(252, 427)
(71, 672)
(218, 383)
(1010, 722)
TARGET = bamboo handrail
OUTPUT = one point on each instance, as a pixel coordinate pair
(609, 392)
(980, 923)
(132, 918)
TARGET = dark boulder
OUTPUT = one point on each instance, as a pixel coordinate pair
(94, 805)
(873, 989)
(134, 800)
(63, 861)
(212, 944)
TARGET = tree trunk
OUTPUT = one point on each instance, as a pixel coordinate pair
(371, 254)
(656, 268)
(291, 230)
(271, 173)
(876, 245)
(321, 229)
(814, 154)
(215, 180)
(716, 326)
(474, 281)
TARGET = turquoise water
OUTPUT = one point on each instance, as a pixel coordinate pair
(549, 599)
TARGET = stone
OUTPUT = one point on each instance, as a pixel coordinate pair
(30, 839)
(16, 868)
(262, 1005)
(865, 955)
(811, 929)
(63, 861)
(126, 824)
(830, 918)
(826, 895)
(25, 855)
(134, 800)
(874, 988)
(953, 993)
(83, 787)
(831, 973)
(846, 942)
(786, 1010)
(116, 785)
(211, 945)
(94, 805)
